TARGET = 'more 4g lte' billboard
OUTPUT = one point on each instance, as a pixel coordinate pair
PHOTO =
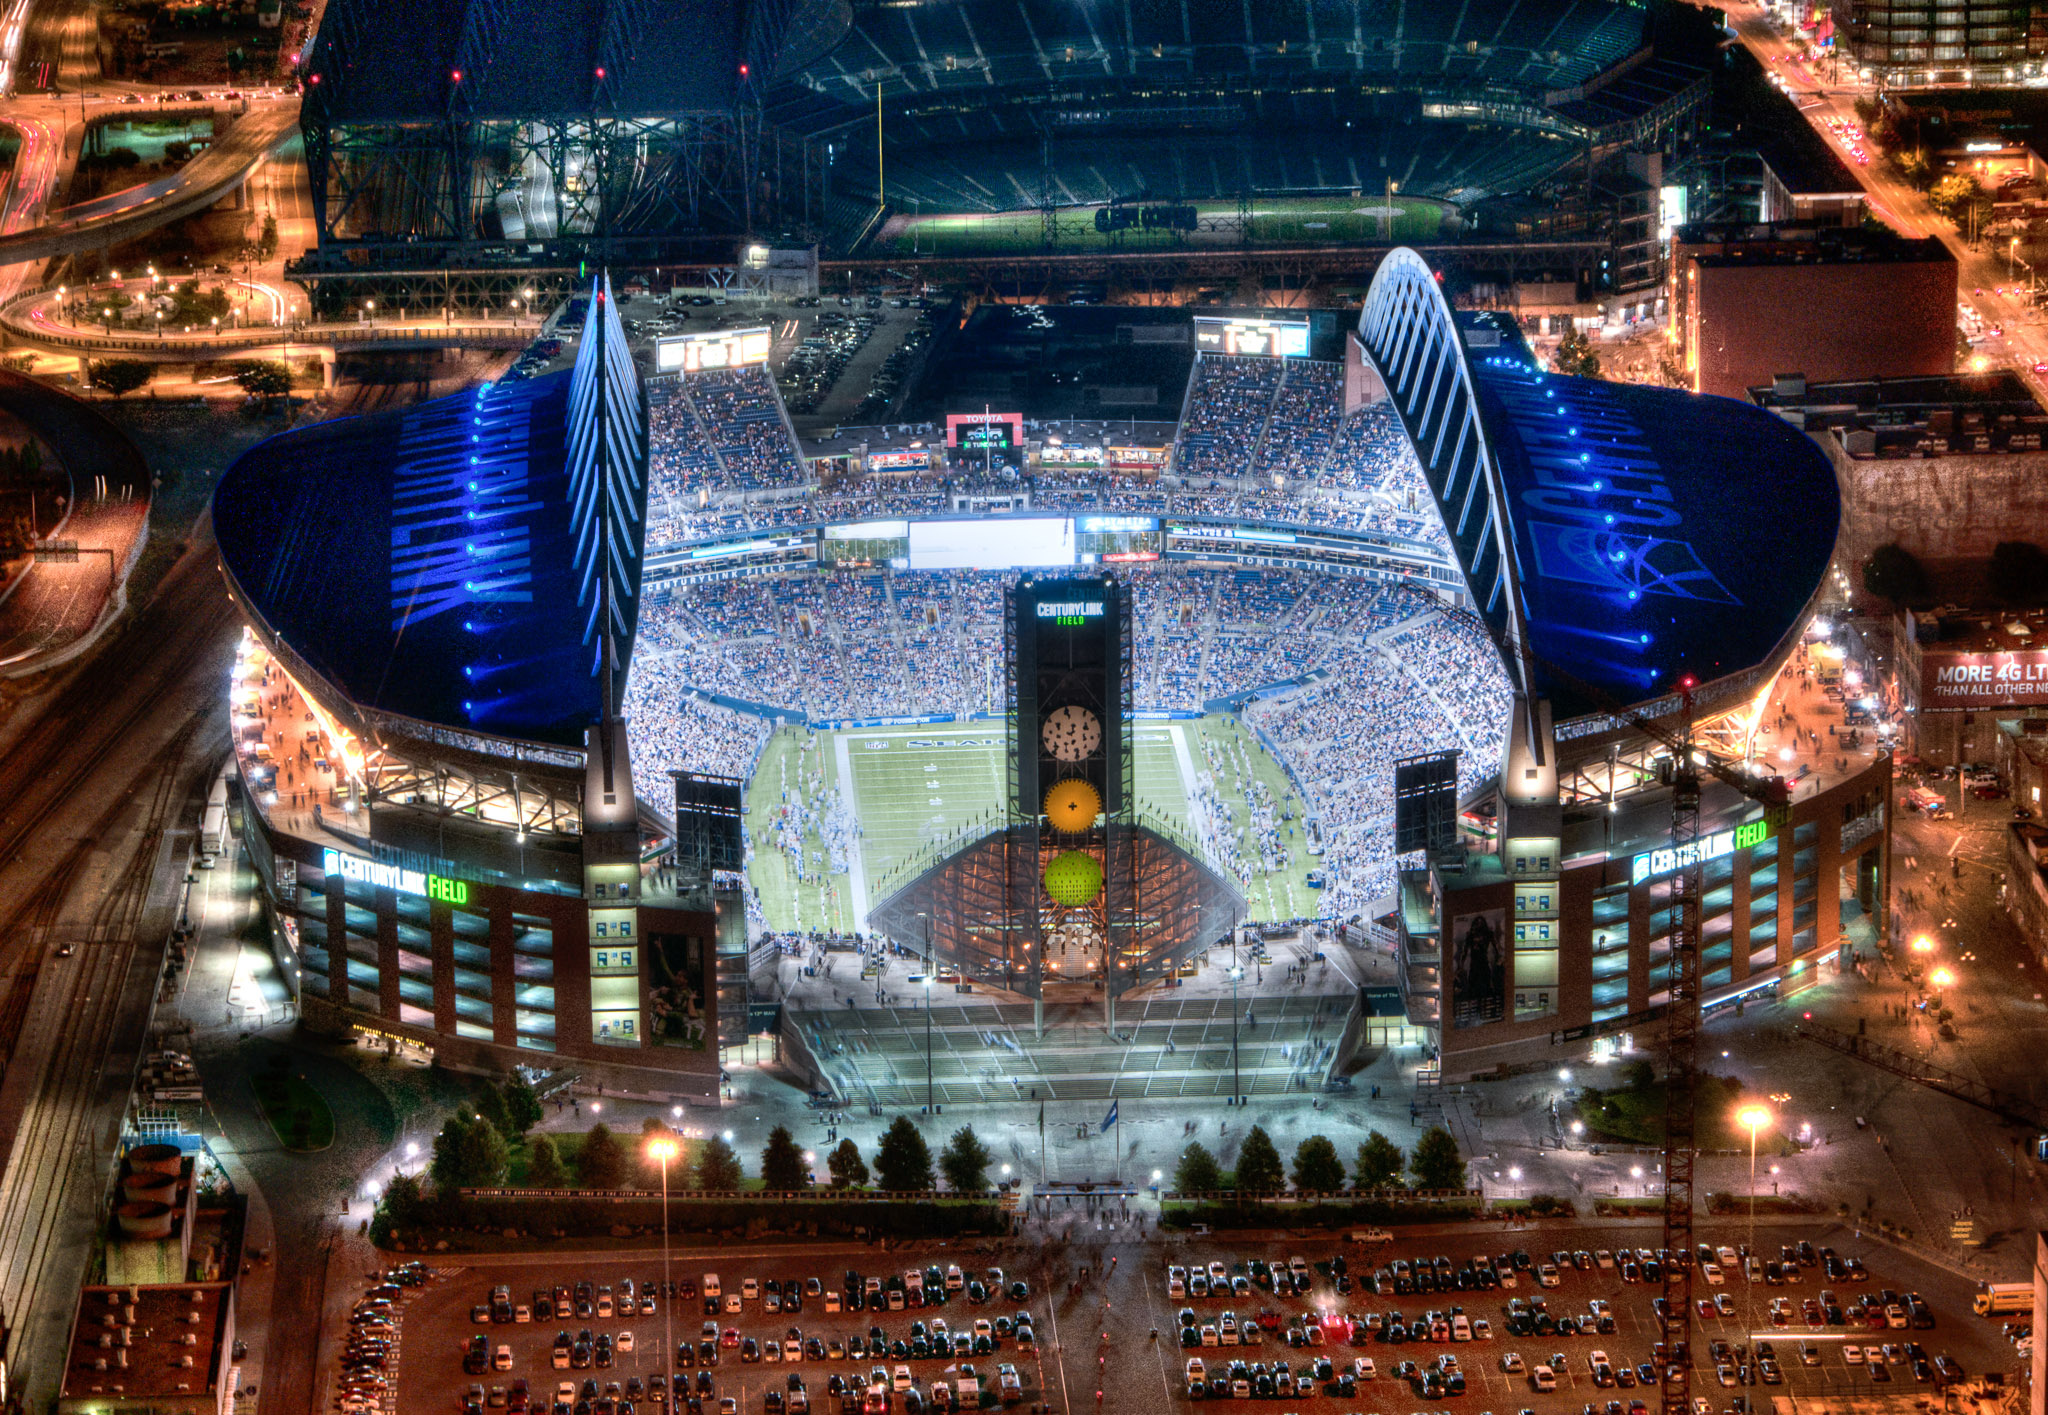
(1984, 680)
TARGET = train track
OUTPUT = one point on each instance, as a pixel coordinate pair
(57, 1170)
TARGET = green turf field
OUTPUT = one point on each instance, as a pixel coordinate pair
(1275, 221)
(920, 787)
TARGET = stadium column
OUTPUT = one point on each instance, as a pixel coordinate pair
(1531, 849)
(611, 887)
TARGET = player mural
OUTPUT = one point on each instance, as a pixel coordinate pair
(1479, 967)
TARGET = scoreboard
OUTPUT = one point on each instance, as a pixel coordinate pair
(1276, 338)
(719, 348)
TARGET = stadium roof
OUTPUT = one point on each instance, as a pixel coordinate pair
(522, 58)
(469, 563)
(1617, 538)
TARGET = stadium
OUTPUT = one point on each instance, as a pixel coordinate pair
(658, 720)
(454, 162)
(632, 716)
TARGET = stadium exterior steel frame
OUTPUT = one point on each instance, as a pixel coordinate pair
(1413, 342)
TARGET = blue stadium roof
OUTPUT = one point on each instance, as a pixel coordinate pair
(359, 544)
(1626, 537)
(471, 563)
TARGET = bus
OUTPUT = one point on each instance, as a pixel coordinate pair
(1998, 1298)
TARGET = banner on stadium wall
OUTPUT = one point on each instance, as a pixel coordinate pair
(1165, 715)
(855, 724)
(1478, 967)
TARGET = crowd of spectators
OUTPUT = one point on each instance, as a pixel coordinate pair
(1304, 420)
(1379, 675)
(1227, 407)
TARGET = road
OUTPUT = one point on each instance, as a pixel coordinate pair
(204, 180)
(1987, 283)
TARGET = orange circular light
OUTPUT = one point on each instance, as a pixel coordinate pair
(1071, 806)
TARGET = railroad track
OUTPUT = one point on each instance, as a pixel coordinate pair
(56, 1170)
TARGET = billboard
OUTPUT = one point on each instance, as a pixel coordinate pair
(984, 430)
(1984, 680)
(720, 348)
(1283, 338)
(1478, 963)
(998, 544)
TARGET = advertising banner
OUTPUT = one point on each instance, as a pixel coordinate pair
(1478, 967)
(1984, 680)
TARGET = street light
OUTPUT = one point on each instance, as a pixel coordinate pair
(1942, 978)
(1635, 1172)
(1236, 1078)
(664, 1149)
(1755, 1118)
(1923, 944)
(1515, 1178)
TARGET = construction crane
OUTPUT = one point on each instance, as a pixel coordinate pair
(1682, 1012)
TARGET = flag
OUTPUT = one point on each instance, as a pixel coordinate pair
(1110, 1119)
(1041, 1120)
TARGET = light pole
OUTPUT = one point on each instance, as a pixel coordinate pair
(1754, 1117)
(1236, 1079)
(664, 1150)
(1515, 1178)
(927, 1014)
(1635, 1172)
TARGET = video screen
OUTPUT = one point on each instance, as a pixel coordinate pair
(997, 544)
(1272, 338)
(725, 348)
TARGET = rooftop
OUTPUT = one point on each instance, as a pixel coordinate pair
(1896, 417)
(1958, 630)
(1737, 243)
(149, 1342)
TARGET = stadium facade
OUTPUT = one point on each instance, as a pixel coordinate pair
(1639, 556)
(445, 604)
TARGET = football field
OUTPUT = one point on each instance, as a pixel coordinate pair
(913, 789)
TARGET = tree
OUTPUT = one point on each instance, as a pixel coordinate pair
(1258, 1163)
(601, 1160)
(266, 244)
(1316, 1166)
(902, 1160)
(1379, 1163)
(544, 1164)
(782, 1163)
(469, 1153)
(1197, 1172)
(1575, 356)
(1638, 1076)
(1956, 195)
(1437, 1163)
(2019, 572)
(266, 379)
(718, 1165)
(849, 1170)
(119, 376)
(490, 1106)
(446, 1166)
(1893, 572)
(522, 1106)
(964, 1161)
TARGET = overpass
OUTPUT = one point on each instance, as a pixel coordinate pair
(122, 216)
(27, 320)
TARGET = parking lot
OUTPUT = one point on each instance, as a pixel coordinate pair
(769, 1322)
(1588, 1318)
(1098, 1289)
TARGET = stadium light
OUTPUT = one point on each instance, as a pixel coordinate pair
(664, 1149)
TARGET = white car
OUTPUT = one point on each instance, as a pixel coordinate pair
(1363, 1369)
(625, 1341)
(1542, 1378)
(1511, 1362)
(1853, 1354)
(1712, 1273)
(750, 1290)
(1596, 1359)
(901, 1379)
(565, 1392)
